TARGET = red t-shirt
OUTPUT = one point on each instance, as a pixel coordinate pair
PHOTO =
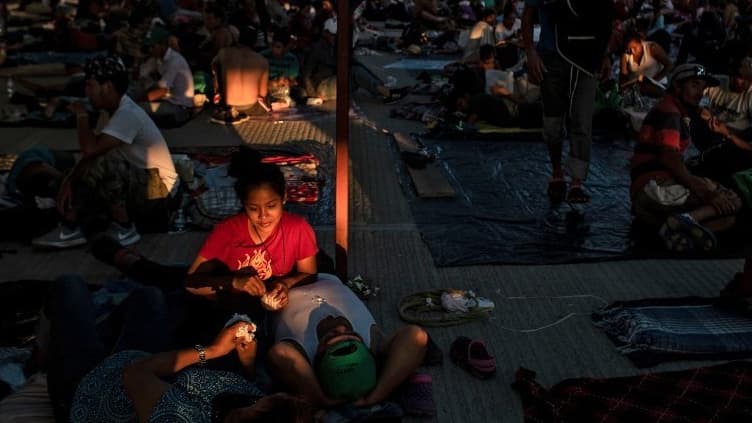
(231, 243)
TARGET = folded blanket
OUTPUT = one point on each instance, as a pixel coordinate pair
(651, 331)
(707, 394)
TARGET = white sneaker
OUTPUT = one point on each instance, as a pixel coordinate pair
(61, 237)
(123, 235)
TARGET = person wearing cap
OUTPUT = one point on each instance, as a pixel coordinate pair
(724, 142)
(319, 73)
(329, 350)
(168, 96)
(688, 209)
(125, 173)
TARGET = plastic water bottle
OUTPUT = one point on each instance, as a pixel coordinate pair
(10, 87)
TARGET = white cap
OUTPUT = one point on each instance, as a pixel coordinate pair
(331, 25)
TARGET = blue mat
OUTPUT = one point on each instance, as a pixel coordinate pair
(501, 213)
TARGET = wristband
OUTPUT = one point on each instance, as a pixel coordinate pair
(201, 354)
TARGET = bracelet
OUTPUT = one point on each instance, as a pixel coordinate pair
(201, 354)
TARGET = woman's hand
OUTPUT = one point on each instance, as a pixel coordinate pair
(225, 341)
(250, 284)
(277, 298)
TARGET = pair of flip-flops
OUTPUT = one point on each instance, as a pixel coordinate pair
(558, 192)
(473, 356)
(682, 234)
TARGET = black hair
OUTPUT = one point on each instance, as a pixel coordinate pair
(490, 11)
(486, 52)
(632, 35)
(735, 62)
(279, 408)
(282, 36)
(216, 11)
(251, 174)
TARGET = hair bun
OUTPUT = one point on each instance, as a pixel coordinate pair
(243, 162)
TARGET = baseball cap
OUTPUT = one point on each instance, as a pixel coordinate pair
(346, 370)
(106, 68)
(692, 70)
(156, 35)
(331, 25)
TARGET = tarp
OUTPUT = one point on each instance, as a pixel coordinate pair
(502, 215)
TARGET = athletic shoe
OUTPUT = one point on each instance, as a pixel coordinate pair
(228, 117)
(61, 237)
(124, 235)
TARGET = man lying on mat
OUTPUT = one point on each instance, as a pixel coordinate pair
(689, 209)
(329, 350)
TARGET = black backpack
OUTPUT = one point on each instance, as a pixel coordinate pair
(582, 29)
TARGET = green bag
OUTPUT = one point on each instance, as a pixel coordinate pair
(743, 180)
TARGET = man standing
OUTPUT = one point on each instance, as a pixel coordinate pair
(569, 55)
(125, 169)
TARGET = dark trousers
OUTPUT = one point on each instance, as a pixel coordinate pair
(76, 346)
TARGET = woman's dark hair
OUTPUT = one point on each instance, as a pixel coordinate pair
(632, 35)
(275, 408)
(246, 167)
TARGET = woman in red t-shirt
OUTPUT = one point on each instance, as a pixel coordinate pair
(266, 249)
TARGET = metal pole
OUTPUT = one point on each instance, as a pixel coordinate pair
(342, 139)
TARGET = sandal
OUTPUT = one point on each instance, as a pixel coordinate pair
(681, 233)
(557, 190)
(473, 356)
(577, 195)
(417, 396)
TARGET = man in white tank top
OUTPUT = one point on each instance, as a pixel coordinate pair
(327, 346)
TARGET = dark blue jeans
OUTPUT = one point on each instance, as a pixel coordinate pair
(75, 343)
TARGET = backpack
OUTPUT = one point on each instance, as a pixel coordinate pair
(582, 30)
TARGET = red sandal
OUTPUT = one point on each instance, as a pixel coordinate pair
(473, 356)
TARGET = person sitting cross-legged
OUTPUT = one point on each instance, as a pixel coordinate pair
(319, 74)
(166, 82)
(125, 174)
(284, 69)
(241, 78)
(689, 209)
(327, 346)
